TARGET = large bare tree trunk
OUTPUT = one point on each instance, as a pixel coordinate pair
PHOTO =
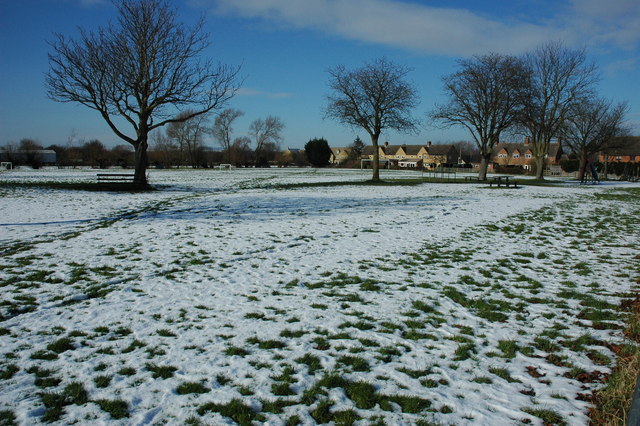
(142, 161)
(376, 159)
(540, 163)
(484, 165)
(582, 168)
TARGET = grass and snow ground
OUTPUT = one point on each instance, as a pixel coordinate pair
(223, 297)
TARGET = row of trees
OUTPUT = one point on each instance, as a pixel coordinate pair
(138, 71)
(92, 154)
(182, 142)
(545, 94)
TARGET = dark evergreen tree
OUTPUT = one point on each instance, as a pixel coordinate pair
(318, 152)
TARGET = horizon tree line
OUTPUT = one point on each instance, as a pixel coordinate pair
(146, 71)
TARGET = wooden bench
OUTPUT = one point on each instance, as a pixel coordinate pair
(503, 181)
(115, 178)
(471, 178)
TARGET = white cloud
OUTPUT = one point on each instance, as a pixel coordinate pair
(449, 31)
(407, 25)
(612, 22)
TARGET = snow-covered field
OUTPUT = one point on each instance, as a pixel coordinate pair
(223, 296)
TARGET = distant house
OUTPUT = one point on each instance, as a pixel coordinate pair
(339, 155)
(514, 154)
(627, 150)
(412, 156)
(292, 156)
(439, 155)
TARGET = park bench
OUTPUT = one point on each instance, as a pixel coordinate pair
(505, 181)
(471, 178)
(115, 178)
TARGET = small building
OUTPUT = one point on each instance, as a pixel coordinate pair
(339, 155)
(520, 154)
(625, 149)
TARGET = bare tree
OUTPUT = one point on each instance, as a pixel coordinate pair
(483, 98)
(591, 126)
(222, 129)
(374, 97)
(241, 151)
(164, 152)
(142, 68)
(95, 154)
(188, 135)
(558, 78)
(266, 134)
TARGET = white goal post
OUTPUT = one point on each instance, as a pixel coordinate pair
(6, 165)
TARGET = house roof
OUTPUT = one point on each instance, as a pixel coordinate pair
(441, 149)
(338, 150)
(625, 145)
(511, 147)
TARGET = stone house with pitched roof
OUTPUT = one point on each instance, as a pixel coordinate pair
(412, 156)
(339, 155)
(520, 154)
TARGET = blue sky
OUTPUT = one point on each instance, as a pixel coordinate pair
(286, 46)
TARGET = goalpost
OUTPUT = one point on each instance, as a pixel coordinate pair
(6, 165)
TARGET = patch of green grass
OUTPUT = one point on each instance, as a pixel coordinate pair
(408, 404)
(162, 372)
(345, 417)
(235, 409)
(509, 348)
(55, 403)
(356, 363)
(416, 374)
(9, 371)
(503, 373)
(163, 332)
(235, 351)
(44, 355)
(483, 380)
(127, 371)
(311, 361)
(545, 345)
(363, 394)
(387, 353)
(322, 412)
(135, 344)
(61, 345)
(102, 381)
(7, 418)
(464, 351)
(267, 344)
(282, 389)
(549, 417)
(292, 333)
(191, 387)
(276, 406)
(117, 408)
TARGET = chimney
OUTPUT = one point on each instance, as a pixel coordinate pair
(428, 143)
(526, 140)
